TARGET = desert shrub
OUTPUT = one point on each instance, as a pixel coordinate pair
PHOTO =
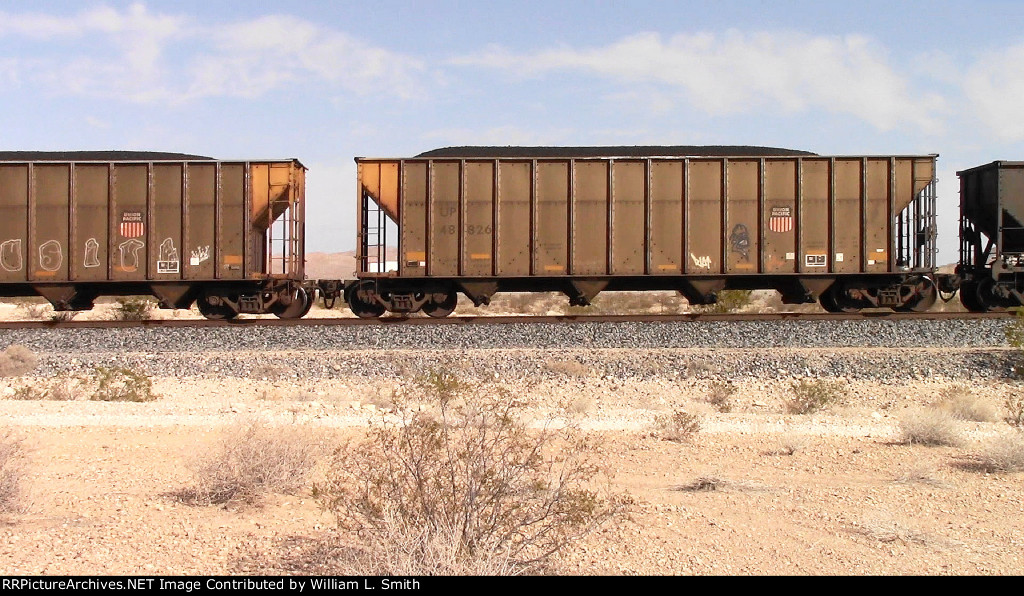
(12, 471)
(728, 301)
(56, 389)
(463, 488)
(121, 384)
(30, 392)
(1004, 454)
(718, 484)
(929, 426)
(252, 460)
(1015, 411)
(17, 360)
(789, 444)
(34, 310)
(680, 426)
(133, 308)
(63, 315)
(720, 395)
(812, 395)
(962, 404)
(441, 385)
(881, 526)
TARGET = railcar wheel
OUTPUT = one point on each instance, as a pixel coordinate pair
(833, 301)
(362, 308)
(987, 298)
(441, 305)
(969, 297)
(924, 300)
(219, 312)
(301, 303)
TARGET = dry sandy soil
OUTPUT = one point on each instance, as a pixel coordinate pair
(830, 493)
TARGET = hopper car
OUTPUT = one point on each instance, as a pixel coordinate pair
(225, 235)
(990, 270)
(850, 232)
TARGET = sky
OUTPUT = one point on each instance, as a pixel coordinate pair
(327, 81)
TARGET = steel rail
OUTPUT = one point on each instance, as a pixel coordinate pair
(505, 320)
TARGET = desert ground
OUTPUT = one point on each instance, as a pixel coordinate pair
(752, 490)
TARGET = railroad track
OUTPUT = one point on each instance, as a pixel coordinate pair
(504, 320)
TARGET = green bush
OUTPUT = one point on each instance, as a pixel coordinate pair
(728, 301)
(133, 308)
(121, 384)
(812, 395)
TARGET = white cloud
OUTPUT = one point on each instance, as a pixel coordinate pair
(739, 73)
(141, 56)
(994, 86)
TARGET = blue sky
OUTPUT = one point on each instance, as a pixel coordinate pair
(327, 81)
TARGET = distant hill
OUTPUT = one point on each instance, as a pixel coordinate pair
(336, 265)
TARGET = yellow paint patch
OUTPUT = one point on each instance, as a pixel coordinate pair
(415, 255)
(232, 259)
(554, 268)
(480, 256)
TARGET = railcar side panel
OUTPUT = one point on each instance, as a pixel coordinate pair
(778, 216)
(48, 229)
(232, 222)
(200, 220)
(590, 218)
(628, 217)
(666, 218)
(13, 222)
(703, 218)
(551, 217)
(445, 191)
(513, 226)
(846, 215)
(478, 219)
(89, 238)
(742, 231)
(876, 215)
(167, 237)
(127, 221)
(814, 218)
(413, 228)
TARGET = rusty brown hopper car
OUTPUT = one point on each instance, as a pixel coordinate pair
(991, 266)
(849, 231)
(225, 234)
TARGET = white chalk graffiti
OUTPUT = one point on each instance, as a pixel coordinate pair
(167, 261)
(199, 255)
(129, 250)
(92, 253)
(702, 262)
(10, 255)
(50, 255)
